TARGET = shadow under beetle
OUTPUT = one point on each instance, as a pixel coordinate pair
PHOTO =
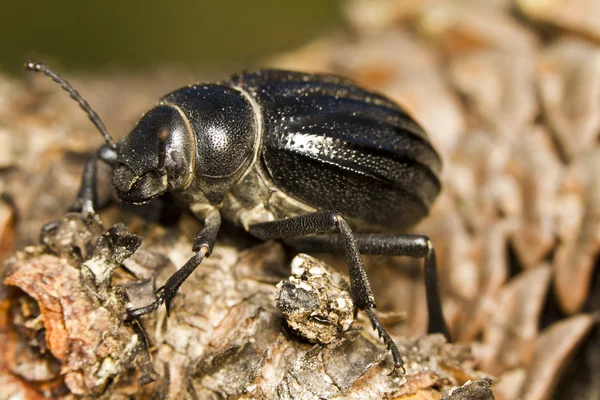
(307, 158)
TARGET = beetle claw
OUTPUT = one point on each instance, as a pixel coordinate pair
(167, 297)
(135, 313)
(87, 212)
(398, 366)
(46, 229)
(165, 294)
(389, 343)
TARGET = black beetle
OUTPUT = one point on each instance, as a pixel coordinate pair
(284, 155)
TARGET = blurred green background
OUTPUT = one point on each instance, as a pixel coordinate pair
(140, 35)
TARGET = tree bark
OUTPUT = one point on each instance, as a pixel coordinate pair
(66, 331)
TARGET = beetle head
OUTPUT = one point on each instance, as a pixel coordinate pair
(155, 157)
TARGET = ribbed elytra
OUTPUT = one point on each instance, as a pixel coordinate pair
(334, 145)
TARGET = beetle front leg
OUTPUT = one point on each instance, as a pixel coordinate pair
(86, 200)
(203, 246)
(332, 221)
(416, 246)
(87, 197)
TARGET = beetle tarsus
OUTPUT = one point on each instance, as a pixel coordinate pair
(135, 313)
(87, 213)
(169, 290)
(47, 229)
(391, 346)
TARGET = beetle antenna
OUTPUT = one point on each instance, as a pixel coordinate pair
(95, 118)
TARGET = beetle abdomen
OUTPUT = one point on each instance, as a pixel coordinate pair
(334, 145)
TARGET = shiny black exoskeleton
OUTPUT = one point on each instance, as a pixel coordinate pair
(284, 155)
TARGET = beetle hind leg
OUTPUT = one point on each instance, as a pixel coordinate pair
(329, 222)
(389, 343)
(86, 201)
(416, 246)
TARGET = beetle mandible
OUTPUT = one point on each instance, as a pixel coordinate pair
(308, 158)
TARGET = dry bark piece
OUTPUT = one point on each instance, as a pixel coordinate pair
(7, 229)
(578, 16)
(479, 163)
(569, 87)
(553, 349)
(82, 321)
(292, 369)
(13, 388)
(315, 301)
(328, 372)
(8, 150)
(512, 326)
(491, 256)
(70, 239)
(470, 25)
(510, 384)
(577, 253)
(472, 390)
(500, 87)
(27, 355)
(314, 56)
(374, 16)
(580, 380)
(538, 171)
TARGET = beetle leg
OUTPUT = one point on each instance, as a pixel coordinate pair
(203, 245)
(417, 246)
(322, 222)
(87, 198)
(332, 221)
(398, 363)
